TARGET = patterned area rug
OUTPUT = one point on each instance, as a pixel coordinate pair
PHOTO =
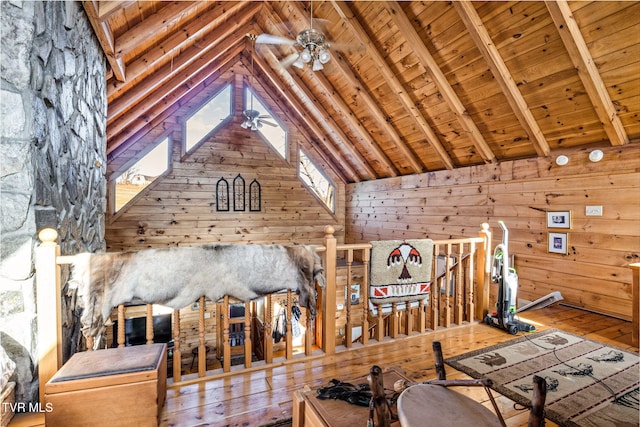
(588, 383)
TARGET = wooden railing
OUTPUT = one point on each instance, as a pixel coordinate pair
(459, 294)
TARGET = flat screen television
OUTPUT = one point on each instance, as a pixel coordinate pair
(135, 330)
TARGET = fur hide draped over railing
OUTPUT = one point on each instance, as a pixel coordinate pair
(176, 277)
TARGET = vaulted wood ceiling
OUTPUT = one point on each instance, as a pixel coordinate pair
(411, 87)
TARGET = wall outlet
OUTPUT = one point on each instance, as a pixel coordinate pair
(593, 211)
(207, 315)
(340, 306)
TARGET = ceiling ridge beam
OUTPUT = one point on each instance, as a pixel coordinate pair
(317, 119)
(405, 27)
(587, 70)
(239, 13)
(348, 115)
(175, 87)
(105, 38)
(168, 16)
(503, 76)
(349, 171)
(184, 61)
(347, 15)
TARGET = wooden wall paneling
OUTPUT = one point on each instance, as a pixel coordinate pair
(593, 275)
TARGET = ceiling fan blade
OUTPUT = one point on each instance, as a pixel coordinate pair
(267, 123)
(273, 39)
(287, 61)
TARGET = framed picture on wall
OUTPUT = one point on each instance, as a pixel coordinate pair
(559, 219)
(558, 243)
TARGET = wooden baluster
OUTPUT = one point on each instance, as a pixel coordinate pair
(422, 318)
(483, 273)
(470, 306)
(202, 349)
(268, 340)
(121, 326)
(408, 316)
(289, 336)
(393, 321)
(447, 287)
(348, 327)
(48, 304)
(149, 312)
(308, 333)
(329, 294)
(379, 323)
(458, 312)
(248, 349)
(177, 353)
(226, 345)
(366, 253)
(435, 290)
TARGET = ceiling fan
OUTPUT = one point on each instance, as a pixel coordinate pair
(253, 120)
(315, 49)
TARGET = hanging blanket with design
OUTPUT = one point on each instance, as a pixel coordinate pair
(400, 270)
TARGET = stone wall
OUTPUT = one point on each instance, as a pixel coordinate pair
(52, 159)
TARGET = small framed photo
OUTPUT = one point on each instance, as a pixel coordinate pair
(559, 219)
(558, 243)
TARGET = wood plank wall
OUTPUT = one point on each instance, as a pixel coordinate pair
(179, 209)
(594, 274)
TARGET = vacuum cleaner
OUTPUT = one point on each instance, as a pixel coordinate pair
(507, 280)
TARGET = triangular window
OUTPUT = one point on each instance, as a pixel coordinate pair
(266, 123)
(207, 118)
(316, 181)
(135, 179)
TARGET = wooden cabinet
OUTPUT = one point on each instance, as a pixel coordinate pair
(117, 386)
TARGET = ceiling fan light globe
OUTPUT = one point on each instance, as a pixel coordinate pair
(317, 65)
(324, 56)
(298, 63)
(305, 55)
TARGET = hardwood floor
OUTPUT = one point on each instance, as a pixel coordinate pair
(265, 395)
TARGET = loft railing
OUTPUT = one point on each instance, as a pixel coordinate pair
(459, 294)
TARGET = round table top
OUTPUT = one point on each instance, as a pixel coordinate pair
(426, 404)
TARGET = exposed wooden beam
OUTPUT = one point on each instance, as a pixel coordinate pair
(372, 105)
(587, 70)
(362, 37)
(173, 89)
(108, 8)
(406, 29)
(163, 116)
(105, 37)
(238, 13)
(333, 98)
(348, 171)
(316, 119)
(503, 77)
(185, 60)
(313, 148)
(168, 16)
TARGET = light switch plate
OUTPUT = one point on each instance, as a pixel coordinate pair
(593, 211)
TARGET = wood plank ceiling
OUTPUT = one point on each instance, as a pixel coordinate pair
(411, 87)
